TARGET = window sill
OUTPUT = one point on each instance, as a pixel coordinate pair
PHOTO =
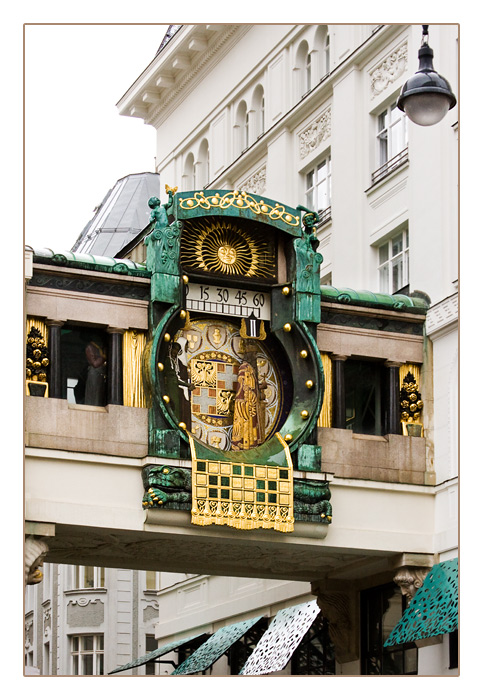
(362, 436)
(80, 591)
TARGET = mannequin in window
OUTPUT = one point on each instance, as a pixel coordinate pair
(95, 393)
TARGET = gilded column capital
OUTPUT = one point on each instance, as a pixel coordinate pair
(35, 552)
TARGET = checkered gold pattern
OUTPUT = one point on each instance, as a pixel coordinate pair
(244, 496)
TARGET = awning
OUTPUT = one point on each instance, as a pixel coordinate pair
(434, 608)
(277, 645)
(214, 647)
(156, 654)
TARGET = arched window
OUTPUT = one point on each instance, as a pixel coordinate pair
(202, 170)
(189, 173)
(322, 47)
(241, 127)
(303, 70)
(258, 103)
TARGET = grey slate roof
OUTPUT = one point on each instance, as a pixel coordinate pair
(123, 213)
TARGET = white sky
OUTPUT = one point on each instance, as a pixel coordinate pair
(76, 143)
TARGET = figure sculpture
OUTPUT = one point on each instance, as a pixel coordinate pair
(249, 405)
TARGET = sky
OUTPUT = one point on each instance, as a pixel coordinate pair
(77, 145)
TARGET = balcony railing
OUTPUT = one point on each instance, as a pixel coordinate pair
(325, 215)
(390, 165)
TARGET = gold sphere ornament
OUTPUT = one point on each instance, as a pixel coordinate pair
(182, 425)
(287, 328)
(419, 404)
(185, 279)
(45, 361)
(166, 398)
(304, 414)
(286, 291)
(404, 415)
(288, 437)
(167, 337)
(303, 354)
(412, 407)
(160, 366)
(309, 384)
(182, 313)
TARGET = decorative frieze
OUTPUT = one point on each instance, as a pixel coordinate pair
(319, 130)
(388, 70)
(256, 183)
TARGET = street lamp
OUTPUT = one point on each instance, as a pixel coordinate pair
(426, 97)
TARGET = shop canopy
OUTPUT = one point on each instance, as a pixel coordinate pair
(157, 653)
(434, 608)
(214, 647)
(278, 644)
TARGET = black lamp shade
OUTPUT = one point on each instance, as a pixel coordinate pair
(426, 97)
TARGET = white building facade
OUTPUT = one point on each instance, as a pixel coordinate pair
(306, 114)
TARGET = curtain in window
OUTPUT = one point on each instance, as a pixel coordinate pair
(133, 346)
(325, 417)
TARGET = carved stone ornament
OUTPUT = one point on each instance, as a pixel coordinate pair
(34, 553)
(388, 70)
(319, 130)
(409, 579)
(257, 181)
(340, 610)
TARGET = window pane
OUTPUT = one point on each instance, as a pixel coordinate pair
(384, 279)
(397, 274)
(383, 253)
(87, 643)
(87, 664)
(89, 577)
(100, 665)
(75, 643)
(75, 665)
(101, 577)
(100, 642)
(397, 244)
(151, 580)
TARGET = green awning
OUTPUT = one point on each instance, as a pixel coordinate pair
(434, 608)
(214, 647)
(156, 654)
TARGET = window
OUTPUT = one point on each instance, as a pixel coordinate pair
(381, 610)
(84, 365)
(392, 141)
(318, 189)
(241, 127)
(315, 655)
(303, 70)
(87, 654)
(364, 397)
(153, 581)
(89, 577)
(189, 173)
(394, 264)
(258, 111)
(151, 645)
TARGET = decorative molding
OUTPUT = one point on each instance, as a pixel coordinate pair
(256, 182)
(319, 130)
(442, 314)
(410, 578)
(388, 70)
(202, 61)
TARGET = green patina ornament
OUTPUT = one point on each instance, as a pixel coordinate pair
(312, 500)
(167, 486)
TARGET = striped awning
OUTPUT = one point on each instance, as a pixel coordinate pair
(434, 608)
(156, 654)
(214, 647)
(278, 644)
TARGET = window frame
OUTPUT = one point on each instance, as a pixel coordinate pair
(79, 655)
(386, 281)
(311, 190)
(79, 575)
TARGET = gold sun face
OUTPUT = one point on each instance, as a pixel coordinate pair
(226, 248)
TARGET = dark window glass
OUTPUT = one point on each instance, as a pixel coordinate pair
(315, 655)
(84, 365)
(151, 645)
(243, 648)
(381, 610)
(364, 397)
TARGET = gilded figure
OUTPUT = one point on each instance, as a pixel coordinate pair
(249, 405)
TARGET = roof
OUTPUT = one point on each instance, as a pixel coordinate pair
(396, 302)
(122, 214)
